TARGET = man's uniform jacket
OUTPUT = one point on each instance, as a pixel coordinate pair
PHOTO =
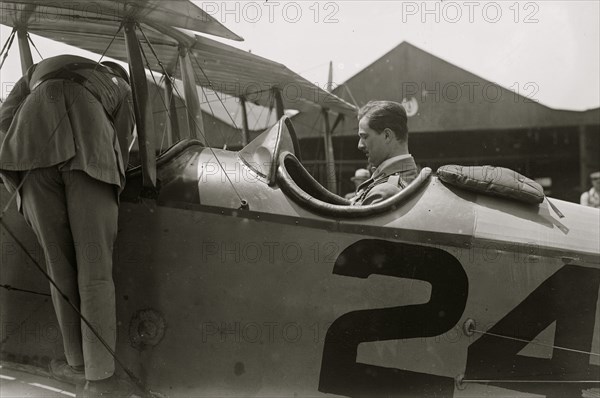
(390, 177)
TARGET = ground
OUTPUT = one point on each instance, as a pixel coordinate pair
(29, 382)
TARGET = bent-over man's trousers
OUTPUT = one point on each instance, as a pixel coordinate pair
(75, 219)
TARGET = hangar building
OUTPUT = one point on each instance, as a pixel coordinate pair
(457, 117)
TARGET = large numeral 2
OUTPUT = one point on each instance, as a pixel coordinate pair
(340, 373)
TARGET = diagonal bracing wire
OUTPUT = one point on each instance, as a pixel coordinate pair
(167, 110)
(171, 99)
(74, 307)
(8, 45)
(33, 44)
(535, 342)
(212, 112)
(166, 73)
(194, 119)
(8, 39)
(213, 88)
(164, 133)
(262, 110)
(18, 289)
(26, 318)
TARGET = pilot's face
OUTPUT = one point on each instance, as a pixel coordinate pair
(372, 143)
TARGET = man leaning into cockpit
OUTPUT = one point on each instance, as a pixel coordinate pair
(65, 129)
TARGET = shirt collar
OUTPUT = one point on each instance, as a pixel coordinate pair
(380, 170)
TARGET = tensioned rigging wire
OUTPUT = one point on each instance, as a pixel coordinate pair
(33, 44)
(535, 342)
(167, 110)
(350, 94)
(212, 112)
(195, 121)
(149, 43)
(216, 94)
(270, 109)
(516, 381)
(156, 93)
(164, 133)
(171, 99)
(8, 45)
(74, 307)
(266, 90)
(29, 316)
(18, 289)
(212, 87)
(12, 32)
(259, 115)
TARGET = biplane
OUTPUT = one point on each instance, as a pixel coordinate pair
(238, 274)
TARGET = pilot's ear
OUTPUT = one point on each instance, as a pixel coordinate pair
(388, 133)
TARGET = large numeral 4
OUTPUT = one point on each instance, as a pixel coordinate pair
(568, 297)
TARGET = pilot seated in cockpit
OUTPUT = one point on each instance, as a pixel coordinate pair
(383, 137)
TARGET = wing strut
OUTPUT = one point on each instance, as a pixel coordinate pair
(143, 111)
(245, 130)
(191, 95)
(329, 158)
(24, 50)
(338, 120)
(278, 102)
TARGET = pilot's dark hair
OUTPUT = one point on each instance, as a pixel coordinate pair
(386, 114)
(117, 69)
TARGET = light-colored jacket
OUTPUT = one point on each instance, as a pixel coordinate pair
(590, 198)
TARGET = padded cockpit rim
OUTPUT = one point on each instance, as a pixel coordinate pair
(291, 189)
(168, 155)
(319, 192)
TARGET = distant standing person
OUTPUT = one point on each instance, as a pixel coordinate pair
(591, 198)
(360, 176)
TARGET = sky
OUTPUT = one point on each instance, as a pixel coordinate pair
(547, 50)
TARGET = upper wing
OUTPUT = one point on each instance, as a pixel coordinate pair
(70, 15)
(221, 67)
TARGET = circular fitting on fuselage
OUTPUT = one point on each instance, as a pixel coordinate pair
(146, 329)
